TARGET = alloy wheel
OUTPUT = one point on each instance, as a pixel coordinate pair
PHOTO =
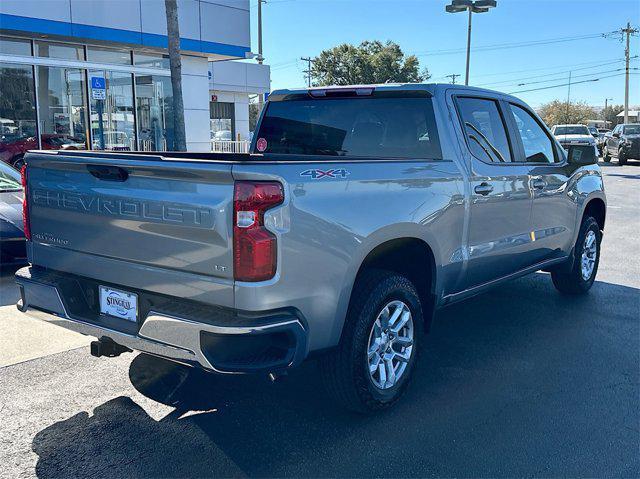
(390, 344)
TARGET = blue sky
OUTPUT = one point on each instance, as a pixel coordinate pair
(297, 28)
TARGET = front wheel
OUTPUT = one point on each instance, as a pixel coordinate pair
(580, 277)
(605, 155)
(622, 158)
(371, 367)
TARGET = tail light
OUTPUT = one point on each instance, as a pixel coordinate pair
(254, 247)
(25, 205)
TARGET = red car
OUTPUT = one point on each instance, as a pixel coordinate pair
(13, 148)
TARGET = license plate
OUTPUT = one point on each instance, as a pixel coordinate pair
(120, 304)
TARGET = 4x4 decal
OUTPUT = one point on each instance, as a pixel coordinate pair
(319, 174)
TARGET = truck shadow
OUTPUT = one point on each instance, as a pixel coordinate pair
(476, 395)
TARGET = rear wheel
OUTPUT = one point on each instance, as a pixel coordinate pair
(372, 366)
(580, 277)
(18, 162)
(605, 155)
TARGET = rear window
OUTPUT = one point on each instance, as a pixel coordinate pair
(351, 127)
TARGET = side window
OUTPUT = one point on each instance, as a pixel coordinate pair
(538, 147)
(484, 129)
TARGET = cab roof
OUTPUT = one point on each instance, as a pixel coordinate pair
(428, 89)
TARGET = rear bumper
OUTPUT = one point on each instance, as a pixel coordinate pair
(226, 343)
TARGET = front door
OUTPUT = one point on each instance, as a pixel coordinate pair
(613, 141)
(499, 225)
(553, 214)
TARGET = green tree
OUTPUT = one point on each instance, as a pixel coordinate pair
(610, 113)
(559, 112)
(369, 62)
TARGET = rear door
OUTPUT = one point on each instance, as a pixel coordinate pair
(553, 214)
(499, 226)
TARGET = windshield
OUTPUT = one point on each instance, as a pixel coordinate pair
(354, 127)
(571, 130)
(9, 179)
(632, 130)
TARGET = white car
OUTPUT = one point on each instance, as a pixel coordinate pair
(569, 135)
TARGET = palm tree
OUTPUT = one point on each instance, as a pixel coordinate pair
(175, 63)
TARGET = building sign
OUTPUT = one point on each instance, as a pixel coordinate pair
(98, 88)
(214, 97)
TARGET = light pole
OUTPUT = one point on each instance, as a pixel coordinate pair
(473, 6)
(260, 58)
(604, 112)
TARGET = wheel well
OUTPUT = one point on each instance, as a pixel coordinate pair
(597, 209)
(412, 258)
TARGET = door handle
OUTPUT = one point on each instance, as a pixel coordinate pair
(483, 189)
(539, 184)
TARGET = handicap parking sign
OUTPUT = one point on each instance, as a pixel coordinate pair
(98, 88)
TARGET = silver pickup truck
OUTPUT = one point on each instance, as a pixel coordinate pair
(358, 213)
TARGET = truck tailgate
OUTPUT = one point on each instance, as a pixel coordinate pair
(131, 215)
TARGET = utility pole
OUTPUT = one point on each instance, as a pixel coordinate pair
(260, 57)
(568, 98)
(604, 112)
(628, 31)
(309, 61)
(453, 77)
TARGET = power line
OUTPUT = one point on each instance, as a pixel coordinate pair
(566, 84)
(514, 81)
(504, 46)
(573, 76)
(526, 70)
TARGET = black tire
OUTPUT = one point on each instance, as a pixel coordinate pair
(605, 155)
(622, 158)
(345, 370)
(18, 162)
(571, 281)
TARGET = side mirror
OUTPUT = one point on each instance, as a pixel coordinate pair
(582, 155)
(616, 134)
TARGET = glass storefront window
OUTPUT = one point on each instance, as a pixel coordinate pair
(59, 50)
(109, 55)
(17, 112)
(154, 104)
(62, 105)
(151, 60)
(15, 46)
(112, 122)
(222, 120)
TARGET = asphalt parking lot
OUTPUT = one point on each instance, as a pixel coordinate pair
(517, 382)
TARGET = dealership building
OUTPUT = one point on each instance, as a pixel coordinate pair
(95, 74)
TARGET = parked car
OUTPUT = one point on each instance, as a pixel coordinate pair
(222, 135)
(12, 239)
(601, 138)
(13, 147)
(569, 135)
(8, 126)
(623, 143)
(358, 213)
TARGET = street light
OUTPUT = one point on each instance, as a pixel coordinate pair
(477, 6)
